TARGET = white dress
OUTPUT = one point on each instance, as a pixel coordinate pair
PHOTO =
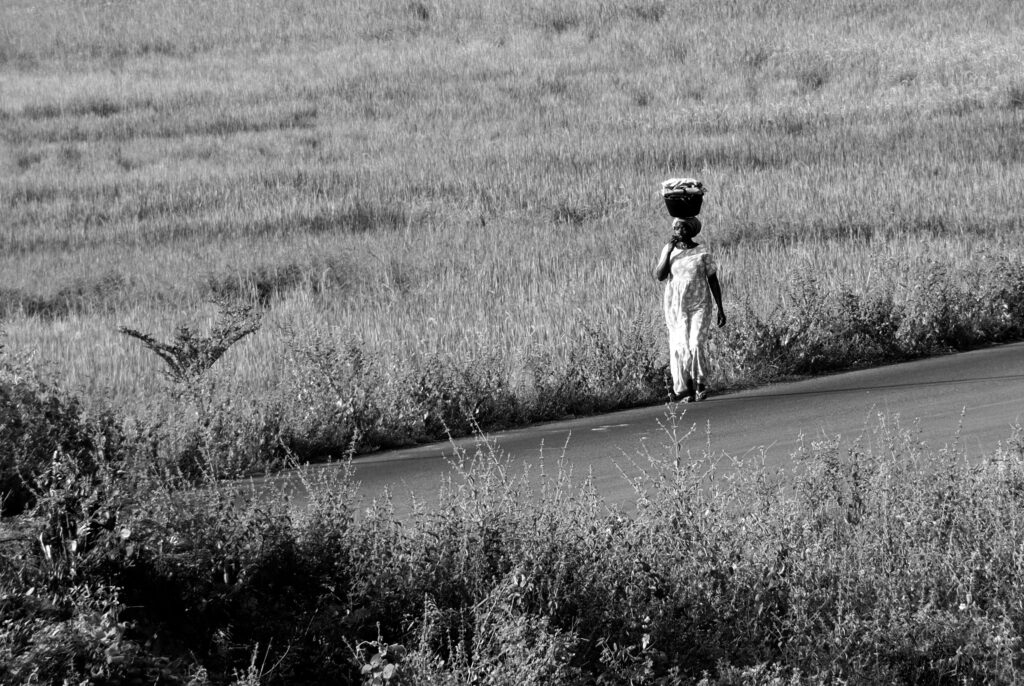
(688, 313)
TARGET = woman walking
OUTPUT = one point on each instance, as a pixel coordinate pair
(692, 285)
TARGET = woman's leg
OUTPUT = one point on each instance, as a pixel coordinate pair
(680, 361)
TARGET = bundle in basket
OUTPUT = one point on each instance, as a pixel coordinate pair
(683, 197)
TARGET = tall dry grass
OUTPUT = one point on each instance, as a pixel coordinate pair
(469, 189)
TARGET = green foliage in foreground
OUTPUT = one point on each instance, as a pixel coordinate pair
(885, 563)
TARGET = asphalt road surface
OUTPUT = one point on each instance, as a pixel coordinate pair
(972, 399)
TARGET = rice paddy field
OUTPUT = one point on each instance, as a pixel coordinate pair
(446, 212)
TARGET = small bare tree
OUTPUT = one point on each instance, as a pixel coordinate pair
(190, 355)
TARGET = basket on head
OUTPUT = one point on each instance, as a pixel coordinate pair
(683, 197)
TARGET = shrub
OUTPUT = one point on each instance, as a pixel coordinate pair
(812, 331)
(888, 563)
(84, 639)
(605, 370)
(37, 421)
(815, 329)
(939, 314)
(349, 400)
(502, 645)
(457, 400)
(228, 441)
(190, 356)
(337, 393)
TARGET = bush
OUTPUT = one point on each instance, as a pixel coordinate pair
(888, 563)
(605, 370)
(347, 399)
(47, 645)
(501, 645)
(226, 442)
(816, 330)
(37, 420)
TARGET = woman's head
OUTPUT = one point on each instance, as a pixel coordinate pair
(687, 226)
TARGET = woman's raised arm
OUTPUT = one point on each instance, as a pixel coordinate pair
(663, 268)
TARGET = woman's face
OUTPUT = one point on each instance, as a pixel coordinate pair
(686, 228)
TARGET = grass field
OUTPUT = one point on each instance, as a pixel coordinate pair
(461, 197)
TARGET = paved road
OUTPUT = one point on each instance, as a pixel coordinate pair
(977, 396)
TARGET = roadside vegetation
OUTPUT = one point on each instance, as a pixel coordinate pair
(889, 562)
(237, 236)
